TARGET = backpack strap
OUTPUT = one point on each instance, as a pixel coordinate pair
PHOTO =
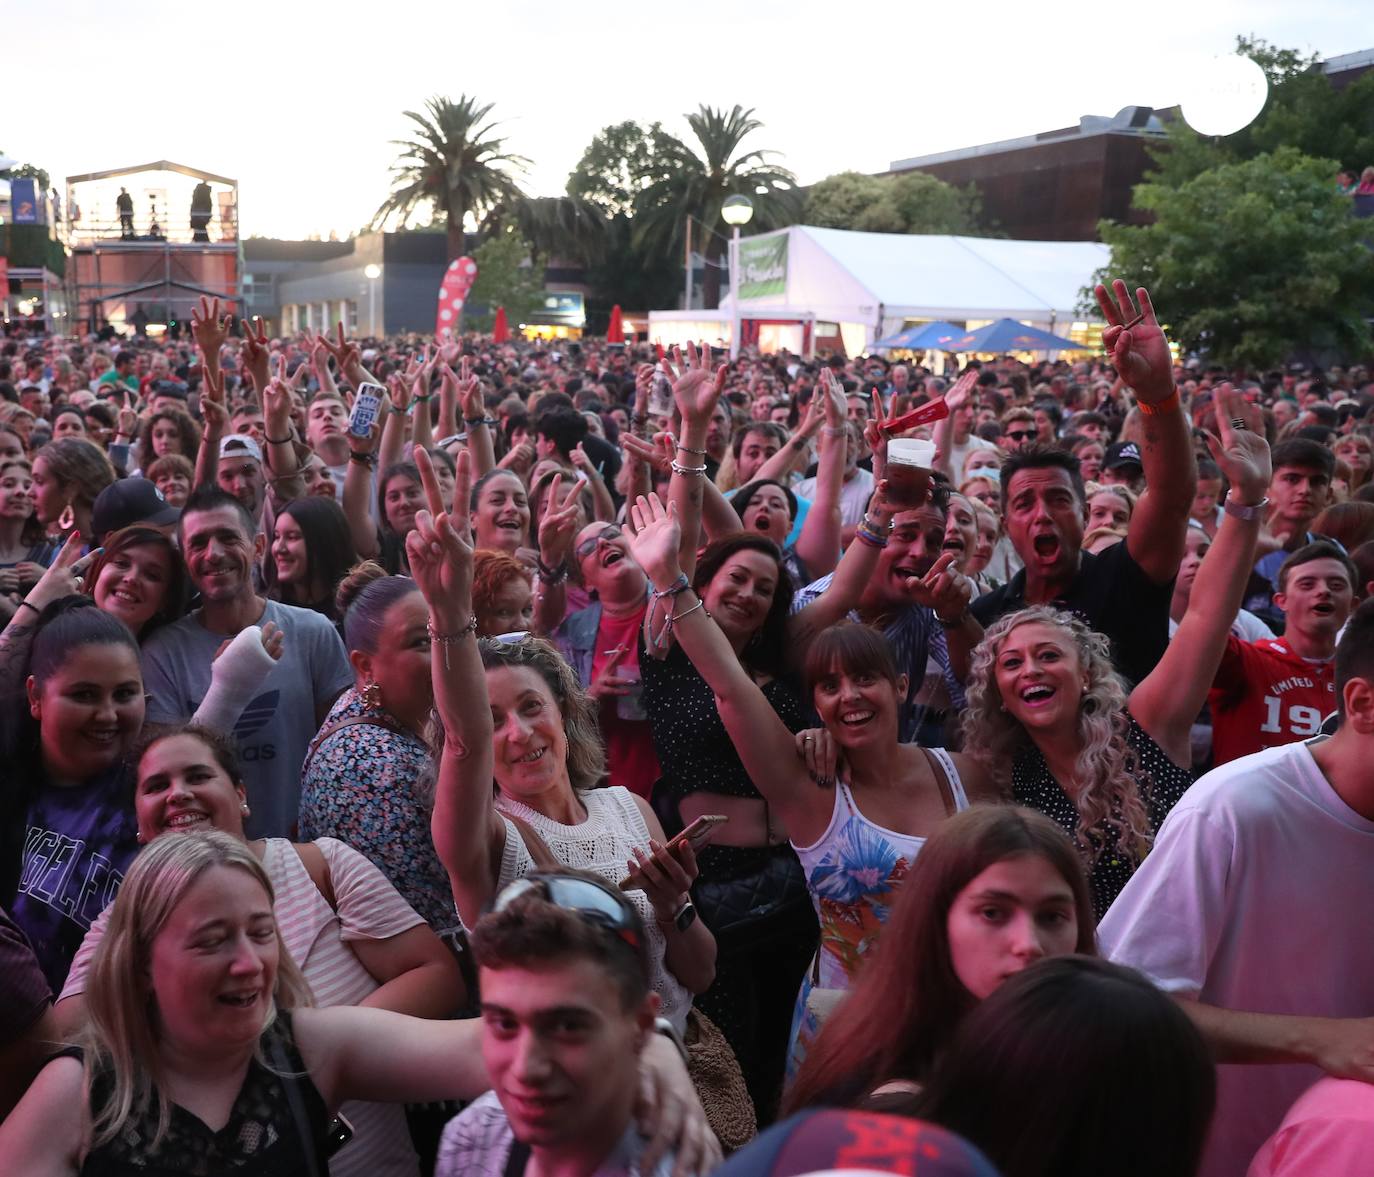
(379, 720)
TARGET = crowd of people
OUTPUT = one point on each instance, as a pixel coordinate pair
(601, 753)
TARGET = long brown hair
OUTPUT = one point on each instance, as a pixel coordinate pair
(908, 1000)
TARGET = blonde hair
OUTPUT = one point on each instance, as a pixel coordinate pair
(121, 1036)
(1107, 769)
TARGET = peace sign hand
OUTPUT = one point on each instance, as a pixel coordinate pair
(557, 527)
(439, 552)
(1136, 342)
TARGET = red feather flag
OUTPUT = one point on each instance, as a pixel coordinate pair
(453, 292)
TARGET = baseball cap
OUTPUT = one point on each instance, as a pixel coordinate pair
(129, 501)
(233, 445)
(834, 1139)
(1122, 453)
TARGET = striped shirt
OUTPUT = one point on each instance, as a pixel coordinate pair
(367, 907)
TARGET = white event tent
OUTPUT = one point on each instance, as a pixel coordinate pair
(804, 282)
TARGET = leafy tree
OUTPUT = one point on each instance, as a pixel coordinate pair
(1252, 261)
(1303, 111)
(25, 171)
(915, 202)
(838, 201)
(505, 277)
(555, 226)
(621, 163)
(455, 165)
(701, 176)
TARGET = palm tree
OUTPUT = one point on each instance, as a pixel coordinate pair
(567, 227)
(454, 164)
(700, 181)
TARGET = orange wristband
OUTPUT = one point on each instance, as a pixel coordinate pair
(1167, 405)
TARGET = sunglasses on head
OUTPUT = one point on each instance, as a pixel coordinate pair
(588, 545)
(593, 902)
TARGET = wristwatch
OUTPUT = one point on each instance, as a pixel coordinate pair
(1241, 511)
(685, 916)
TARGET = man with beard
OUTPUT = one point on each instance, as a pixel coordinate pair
(220, 544)
(1125, 591)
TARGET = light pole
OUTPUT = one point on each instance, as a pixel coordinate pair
(372, 271)
(735, 211)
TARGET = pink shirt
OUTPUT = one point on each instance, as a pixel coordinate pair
(1328, 1132)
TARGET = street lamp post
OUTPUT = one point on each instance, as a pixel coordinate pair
(735, 211)
(372, 271)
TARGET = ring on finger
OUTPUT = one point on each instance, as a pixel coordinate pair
(1238, 423)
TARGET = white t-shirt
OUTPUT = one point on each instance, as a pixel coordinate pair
(959, 452)
(854, 495)
(1256, 897)
(1246, 626)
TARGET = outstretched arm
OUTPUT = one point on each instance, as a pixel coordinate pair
(818, 545)
(1167, 701)
(764, 744)
(1141, 355)
(357, 493)
(468, 834)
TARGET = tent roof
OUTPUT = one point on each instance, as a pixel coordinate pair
(952, 277)
(162, 165)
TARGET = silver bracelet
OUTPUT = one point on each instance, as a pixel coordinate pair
(689, 471)
(450, 639)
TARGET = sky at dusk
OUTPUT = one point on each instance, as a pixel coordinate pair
(299, 102)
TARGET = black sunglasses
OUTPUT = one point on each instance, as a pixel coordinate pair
(593, 902)
(588, 545)
(1020, 434)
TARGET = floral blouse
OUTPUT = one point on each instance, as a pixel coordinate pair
(363, 786)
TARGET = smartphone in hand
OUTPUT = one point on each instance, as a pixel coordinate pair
(699, 834)
(365, 408)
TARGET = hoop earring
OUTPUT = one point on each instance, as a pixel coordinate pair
(67, 519)
(372, 694)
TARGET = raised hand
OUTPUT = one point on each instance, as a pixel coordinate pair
(345, 352)
(644, 387)
(961, 391)
(208, 330)
(277, 402)
(127, 425)
(558, 526)
(1136, 342)
(695, 388)
(469, 391)
(400, 388)
(439, 552)
(834, 407)
(518, 458)
(255, 353)
(657, 454)
(816, 749)
(655, 539)
(1238, 446)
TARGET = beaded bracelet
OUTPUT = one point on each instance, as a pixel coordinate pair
(473, 422)
(287, 440)
(428, 396)
(867, 535)
(689, 471)
(450, 639)
(552, 575)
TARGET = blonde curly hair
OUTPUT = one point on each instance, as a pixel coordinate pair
(1110, 804)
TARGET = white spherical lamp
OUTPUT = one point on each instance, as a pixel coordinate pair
(372, 270)
(736, 210)
(1225, 96)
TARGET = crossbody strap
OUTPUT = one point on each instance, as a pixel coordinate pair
(383, 721)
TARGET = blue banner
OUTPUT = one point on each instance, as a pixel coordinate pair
(24, 201)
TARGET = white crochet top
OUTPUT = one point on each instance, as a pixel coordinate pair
(602, 844)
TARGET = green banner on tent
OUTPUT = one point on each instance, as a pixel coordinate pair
(762, 266)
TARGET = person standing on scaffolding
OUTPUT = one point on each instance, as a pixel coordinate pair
(125, 204)
(202, 206)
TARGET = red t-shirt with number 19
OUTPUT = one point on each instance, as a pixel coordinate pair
(1265, 695)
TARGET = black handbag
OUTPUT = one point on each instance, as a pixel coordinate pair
(741, 907)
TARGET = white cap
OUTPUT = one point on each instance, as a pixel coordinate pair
(238, 444)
